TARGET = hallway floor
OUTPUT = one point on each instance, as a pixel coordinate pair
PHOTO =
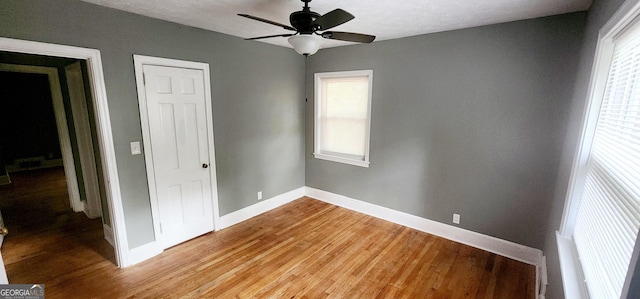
(46, 238)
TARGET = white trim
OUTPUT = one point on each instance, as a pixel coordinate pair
(339, 159)
(317, 131)
(139, 62)
(597, 84)
(542, 280)
(144, 252)
(505, 248)
(572, 277)
(625, 16)
(3, 272)
(105, 136)
(79, 110)
(259, 208)
(108, 234)
(577, 177)
(61, 125)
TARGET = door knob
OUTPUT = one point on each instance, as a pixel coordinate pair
(4, 231)
(205, 165)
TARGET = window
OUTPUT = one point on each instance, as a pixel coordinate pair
(343, 116)
(602, 215)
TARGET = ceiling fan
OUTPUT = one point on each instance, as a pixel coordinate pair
(307, 24)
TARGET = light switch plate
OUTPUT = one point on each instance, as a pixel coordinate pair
(135, 148)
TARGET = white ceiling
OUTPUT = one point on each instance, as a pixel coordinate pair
(386, 19)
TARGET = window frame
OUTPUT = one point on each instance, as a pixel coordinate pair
(573, 278)
(318, 93)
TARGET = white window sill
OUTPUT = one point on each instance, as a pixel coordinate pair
(572, 277)
(360, 163)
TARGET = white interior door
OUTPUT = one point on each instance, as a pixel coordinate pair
(175, 99)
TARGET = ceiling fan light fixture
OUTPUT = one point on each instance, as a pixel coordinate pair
(306, 44)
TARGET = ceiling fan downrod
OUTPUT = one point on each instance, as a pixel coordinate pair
(306, 5)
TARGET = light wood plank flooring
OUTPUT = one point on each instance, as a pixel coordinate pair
(305, 249)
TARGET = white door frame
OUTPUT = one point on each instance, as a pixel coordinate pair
(75, 83)
(61, 125)
(103, 125)
(139, 61)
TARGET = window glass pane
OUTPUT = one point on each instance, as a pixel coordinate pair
(347, 97)
(345, 136)
(344, 115)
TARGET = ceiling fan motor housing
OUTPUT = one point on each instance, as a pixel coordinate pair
(303, 21)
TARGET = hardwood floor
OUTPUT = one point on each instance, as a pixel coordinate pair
(305, 249)
(46, 238)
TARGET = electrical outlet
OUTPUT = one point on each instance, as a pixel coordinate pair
(456, 218)
(135, 148)
(259, 195)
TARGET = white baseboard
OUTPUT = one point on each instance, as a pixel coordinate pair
(147, 251)
(505, 248)
(142, 253)
(108, 234)
(259, 208)
(501, 247)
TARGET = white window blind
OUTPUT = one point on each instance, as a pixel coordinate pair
(608, 216)
(343, 116)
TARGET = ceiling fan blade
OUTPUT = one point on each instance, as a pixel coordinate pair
(267, 21)
(333, 19)
(348, 36)
(270, 36)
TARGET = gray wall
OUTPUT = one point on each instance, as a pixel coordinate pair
(481, 122)
(469, 121)
(599, 13)
(257, 92)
